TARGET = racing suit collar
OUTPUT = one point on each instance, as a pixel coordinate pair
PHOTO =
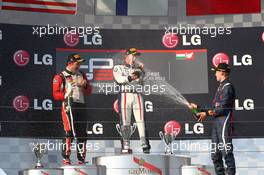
(68, 71)
(130, 65)
(224, 81)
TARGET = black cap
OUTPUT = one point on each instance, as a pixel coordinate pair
(132, 51)
(75, 58)
(222, 67)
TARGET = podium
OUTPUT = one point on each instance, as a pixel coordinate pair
(198, 169)
(67, 170)
(130, 164)
(84, 170)
(41, 171)
(143, 164)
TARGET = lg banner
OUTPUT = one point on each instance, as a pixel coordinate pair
(177, 68)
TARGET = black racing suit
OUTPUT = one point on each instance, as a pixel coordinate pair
(222, 128)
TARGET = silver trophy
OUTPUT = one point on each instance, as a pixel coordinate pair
(39, 150)
(168, 139)
(126, 132)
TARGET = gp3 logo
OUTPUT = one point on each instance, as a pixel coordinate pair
(99, 69)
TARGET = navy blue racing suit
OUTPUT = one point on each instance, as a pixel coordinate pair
(222, 128)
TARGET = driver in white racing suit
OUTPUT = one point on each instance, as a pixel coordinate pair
(129, 76)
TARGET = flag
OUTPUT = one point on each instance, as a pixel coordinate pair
(132, 7)
(184, 55)
(210, 7)
(49, 6)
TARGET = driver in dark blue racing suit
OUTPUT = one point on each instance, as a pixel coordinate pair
(222, 113)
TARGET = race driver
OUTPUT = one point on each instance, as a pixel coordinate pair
(70, 86)
(128, 76)
(222, 113)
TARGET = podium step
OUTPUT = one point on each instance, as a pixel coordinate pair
(198, 169)
(143, 164)
(84, 170)
(67, 170)
(42, 171)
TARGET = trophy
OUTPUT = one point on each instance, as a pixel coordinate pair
(39, 150)
(126, 132)
(171, 130)
(167, 139)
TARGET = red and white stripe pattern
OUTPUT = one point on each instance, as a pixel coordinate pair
(48, 6)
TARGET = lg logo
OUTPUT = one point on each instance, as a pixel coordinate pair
(73, 39)
(194, 40)
(21, 103)
(149, 106)
(247, 104)
(220, 58)
(244, 60)
(22, 58)
(46, 104)
(45, 59)
(171, 40)
(95, 39)
(197, 128)
(97, 129)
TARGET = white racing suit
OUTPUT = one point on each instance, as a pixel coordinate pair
(130, 101)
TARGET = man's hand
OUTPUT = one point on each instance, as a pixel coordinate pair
(83, 83)
(192, 106)
(202, 116)
(134, 77)
(141, 65)
(69, 90)
(211, 113)
(137, 73)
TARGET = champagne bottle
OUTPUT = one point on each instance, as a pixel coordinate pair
(195, 112)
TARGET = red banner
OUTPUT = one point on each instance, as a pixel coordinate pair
(210, 7)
